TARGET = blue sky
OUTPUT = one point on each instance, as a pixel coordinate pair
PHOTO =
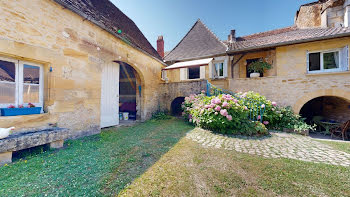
(174, 18)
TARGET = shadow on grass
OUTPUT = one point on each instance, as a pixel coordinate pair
(92, 166)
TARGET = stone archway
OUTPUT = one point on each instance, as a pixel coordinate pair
(176, 106)
(130, 91)
(320, 93)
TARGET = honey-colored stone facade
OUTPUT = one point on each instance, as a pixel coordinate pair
(44, 32)
(290, 84)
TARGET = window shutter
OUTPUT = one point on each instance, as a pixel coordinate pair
(225, 67)
(307, 61)
(202, 72)
(183, 74)
(211, 69)
(345, 58)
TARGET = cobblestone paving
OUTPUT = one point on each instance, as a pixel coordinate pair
(279, 145)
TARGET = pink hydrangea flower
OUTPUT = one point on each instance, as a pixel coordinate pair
(235, 100)
(224, 112)
(259, 117)
(274, 104)
(225, 104)
(263, 106)
(216, 113)
(266, 122)
(215, 101)
(245, 108)
(229, 117)
(217, 108)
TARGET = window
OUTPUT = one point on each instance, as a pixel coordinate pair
(328, 61)
(218, 70)
(194, 73)
(20, 83)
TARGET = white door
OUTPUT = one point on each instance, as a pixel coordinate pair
(110, 95)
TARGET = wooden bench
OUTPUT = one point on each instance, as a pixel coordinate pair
(15, 142)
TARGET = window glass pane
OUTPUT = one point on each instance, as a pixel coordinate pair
(7, 71)
(314, 61)
(31, 74)
(7, 93)
(194, 73)
(219, 69)
(30, 93)
(331, 60)
(7, 82)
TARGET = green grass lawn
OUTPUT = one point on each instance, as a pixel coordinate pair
(343, 146)
(93, 166)
(153, 159)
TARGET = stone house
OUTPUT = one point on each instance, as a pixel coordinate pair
(310, 61)
(78, 60)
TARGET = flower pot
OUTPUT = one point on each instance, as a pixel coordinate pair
(20, 111)
(254, 75)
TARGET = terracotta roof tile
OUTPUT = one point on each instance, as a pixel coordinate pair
(112, 19)
(285, 36)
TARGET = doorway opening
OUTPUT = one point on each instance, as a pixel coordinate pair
(129, 94)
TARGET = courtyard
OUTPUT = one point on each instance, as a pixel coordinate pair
(172, 158)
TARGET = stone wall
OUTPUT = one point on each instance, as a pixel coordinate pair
(174, 90)
(44, 32)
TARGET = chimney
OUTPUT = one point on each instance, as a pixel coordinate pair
(232, 36)
(160, 46)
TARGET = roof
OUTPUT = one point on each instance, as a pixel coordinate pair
(107, 16)
(187, 64)
(199, 42)
(286, 36)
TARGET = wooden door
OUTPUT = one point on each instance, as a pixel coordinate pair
(110, 95)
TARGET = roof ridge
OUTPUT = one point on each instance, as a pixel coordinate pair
(270, 32)
(198, 20)
(217, 38)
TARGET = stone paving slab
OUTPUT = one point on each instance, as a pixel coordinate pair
(278, 145)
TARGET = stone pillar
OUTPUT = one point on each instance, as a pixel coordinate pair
(57, 144)
(5, 158)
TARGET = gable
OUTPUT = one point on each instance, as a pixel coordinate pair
(199, 42)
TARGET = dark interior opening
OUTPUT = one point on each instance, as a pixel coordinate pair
(127, 91)
(330, 108)
(194, 73)
(176, 109)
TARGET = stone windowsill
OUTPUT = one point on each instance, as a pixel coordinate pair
(248, 78)
(328, 73)
(23, 116)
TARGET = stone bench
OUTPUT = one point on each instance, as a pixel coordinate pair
(15, 142)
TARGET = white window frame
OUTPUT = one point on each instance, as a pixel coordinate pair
(19, 83)
(215, 73)
(212, 68)
(322, 70)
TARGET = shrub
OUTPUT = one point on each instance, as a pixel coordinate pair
(240, 114)
(160, 115)
(223, 113)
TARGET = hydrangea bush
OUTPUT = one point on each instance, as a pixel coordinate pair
(223, 113)
(239, 114)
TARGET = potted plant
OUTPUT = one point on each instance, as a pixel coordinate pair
(258, 67)
(11, 110)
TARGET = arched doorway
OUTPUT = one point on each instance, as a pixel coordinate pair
(129, 93)
(176, 109)
(330, 108)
